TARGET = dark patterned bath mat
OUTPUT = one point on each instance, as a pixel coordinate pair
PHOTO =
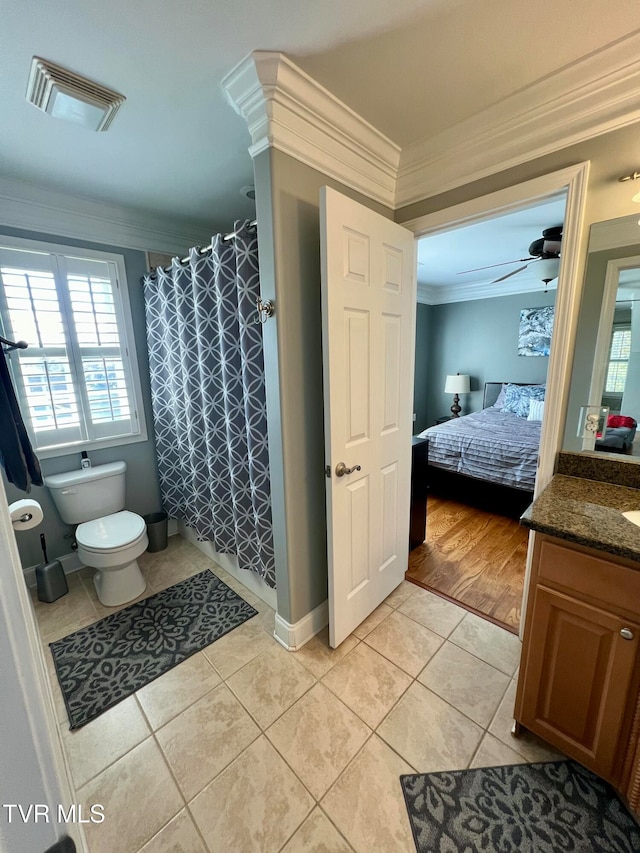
(529, 808)
(102, 664)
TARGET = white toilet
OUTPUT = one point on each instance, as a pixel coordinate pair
(110, 539)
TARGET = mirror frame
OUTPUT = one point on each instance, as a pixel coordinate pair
(603, 340)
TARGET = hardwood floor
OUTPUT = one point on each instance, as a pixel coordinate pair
(473, 557)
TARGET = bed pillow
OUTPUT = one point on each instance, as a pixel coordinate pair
(517, 398)
(499, 403)
(536, 410)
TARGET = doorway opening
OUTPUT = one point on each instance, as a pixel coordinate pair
(485, 314)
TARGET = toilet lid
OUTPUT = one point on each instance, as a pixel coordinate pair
(111, 531)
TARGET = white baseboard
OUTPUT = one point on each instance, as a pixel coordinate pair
(293, 637)
(172, 527)
(70, 563)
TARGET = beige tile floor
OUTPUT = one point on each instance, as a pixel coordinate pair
(246, 747)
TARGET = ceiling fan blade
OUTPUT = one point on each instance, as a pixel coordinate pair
(491, 266)
(509, 274)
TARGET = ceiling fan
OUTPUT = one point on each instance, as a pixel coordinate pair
(545, 248)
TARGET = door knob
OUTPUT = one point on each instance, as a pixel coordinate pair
(626, 634)
(341, 469)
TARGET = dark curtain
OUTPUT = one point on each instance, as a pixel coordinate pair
(16, 454)
(208, 394)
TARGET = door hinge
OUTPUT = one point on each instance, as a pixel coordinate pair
(327, 471)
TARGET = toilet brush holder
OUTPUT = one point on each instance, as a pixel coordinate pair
(51, 582)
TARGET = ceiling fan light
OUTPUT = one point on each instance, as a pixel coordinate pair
(546, 269)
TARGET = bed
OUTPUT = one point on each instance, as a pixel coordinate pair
(497, 444)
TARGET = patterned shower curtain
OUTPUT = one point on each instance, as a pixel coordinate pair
(207, 389)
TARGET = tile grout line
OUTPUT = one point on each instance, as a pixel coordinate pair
(263, 730)
(346, 768)
(316, 680)
(151, 730)
(340, 833)
(414, 679)
(317, 800)
(197, 828)
(395, 663)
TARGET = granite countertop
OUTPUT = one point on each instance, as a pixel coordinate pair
(587, 512)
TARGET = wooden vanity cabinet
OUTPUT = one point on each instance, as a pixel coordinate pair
(579, 681)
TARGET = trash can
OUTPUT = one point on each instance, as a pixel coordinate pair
(156, 530)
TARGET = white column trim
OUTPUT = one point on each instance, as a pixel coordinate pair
(294, 636)
(287, 109)
(37, 208)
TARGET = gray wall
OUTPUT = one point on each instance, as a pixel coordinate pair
(478, 337)
(287, 206)
(143, 492)
(424, 314)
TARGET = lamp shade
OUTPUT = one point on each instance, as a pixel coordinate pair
(546, 269)
(457, 384)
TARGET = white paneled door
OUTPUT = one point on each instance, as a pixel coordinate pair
(368, 328)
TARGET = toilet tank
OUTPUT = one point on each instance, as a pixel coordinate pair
(88, 493)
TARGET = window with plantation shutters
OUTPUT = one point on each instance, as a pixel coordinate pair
(618, 360)
(76, 382)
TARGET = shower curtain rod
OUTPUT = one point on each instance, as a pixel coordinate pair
(225, 237)
(208, 248)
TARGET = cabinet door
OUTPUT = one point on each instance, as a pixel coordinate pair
(577, 674)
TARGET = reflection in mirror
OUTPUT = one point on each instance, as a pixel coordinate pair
(616, 374)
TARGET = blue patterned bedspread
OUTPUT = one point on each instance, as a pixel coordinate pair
(490, 445)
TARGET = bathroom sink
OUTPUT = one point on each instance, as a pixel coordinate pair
(633, 515)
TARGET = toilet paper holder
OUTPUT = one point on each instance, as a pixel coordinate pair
(25, 514)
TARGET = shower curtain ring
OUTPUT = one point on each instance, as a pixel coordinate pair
(265, 310)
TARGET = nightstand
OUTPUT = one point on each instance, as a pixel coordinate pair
(443, 420)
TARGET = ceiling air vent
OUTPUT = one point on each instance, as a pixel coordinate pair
(65, 95)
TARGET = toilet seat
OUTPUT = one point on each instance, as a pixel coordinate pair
(111, 532)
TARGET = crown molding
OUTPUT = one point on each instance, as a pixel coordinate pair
(36, 208)
(286, 109)
(591, 96)
(429, 294)
(615, 233)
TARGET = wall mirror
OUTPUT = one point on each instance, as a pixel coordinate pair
(606, 369)
(615, 381)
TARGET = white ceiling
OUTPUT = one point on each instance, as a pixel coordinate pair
(496, 240)
(176, 148)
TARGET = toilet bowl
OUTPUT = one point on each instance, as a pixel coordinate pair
(110, 539)
(112, 545)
